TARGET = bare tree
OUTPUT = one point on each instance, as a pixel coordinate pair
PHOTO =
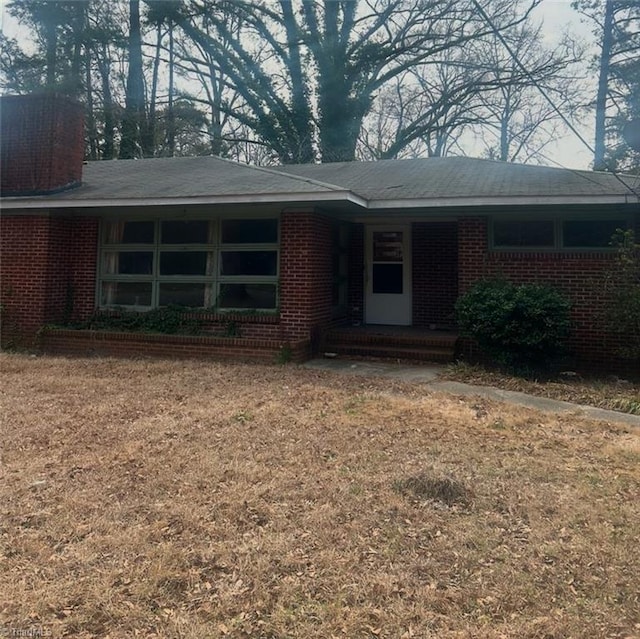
(478, 93)
(519, 121)
(309, 71)
(616, 24)
(429, 107)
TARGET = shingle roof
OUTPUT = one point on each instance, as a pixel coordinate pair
(427, 182)
(436, 178)
(185, 177)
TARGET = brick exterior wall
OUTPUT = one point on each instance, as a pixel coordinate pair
(435, 273)
(576, 273)
(49, 266)
(356, 268)
(41, 142)
(47, 272)
(305, 276)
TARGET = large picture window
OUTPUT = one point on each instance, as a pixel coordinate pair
(222, 264)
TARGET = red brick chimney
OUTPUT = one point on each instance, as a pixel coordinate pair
(42, 144)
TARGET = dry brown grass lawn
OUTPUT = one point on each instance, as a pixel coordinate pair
(194, 500)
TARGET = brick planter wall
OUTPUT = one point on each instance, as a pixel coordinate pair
(119, 344)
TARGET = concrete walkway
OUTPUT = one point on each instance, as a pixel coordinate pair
(428, 374)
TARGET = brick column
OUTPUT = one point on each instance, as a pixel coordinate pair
(84, 243)
(472, 250)
(305, 275)
(435, 272)
(356, 274)
(24, 248)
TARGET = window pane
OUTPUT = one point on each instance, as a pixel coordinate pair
(191, 294)
(387, 278)
(387, 247)
(185, 232)
(249, 262)
(186, 263)
(128, 263)
(249, 231)
(247, 296)
(126, 294)
(590, 233)
(530, 233)
(120, 232)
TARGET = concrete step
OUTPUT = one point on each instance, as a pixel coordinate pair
(410, 353)
(402, 340)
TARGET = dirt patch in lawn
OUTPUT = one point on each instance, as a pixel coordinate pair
(191, 500)
(612, 393)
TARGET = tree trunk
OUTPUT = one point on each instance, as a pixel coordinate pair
(171, 116)
(92, 133)
(603, 84)
(134, 120)
(51, 54)
(104, 65)
(150, 133)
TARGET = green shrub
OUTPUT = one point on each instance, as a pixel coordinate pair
(521, 326)
(622, 288)
(167, 319)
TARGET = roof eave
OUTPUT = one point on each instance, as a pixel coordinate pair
(476, 202)
(311, 198)
(260, 198)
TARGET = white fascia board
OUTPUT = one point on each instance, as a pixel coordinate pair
(460, 202)
(262, 198)
(317, 197)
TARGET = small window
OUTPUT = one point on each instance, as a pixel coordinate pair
(120, 232)
(189, 294)
(589, 233)
(185, 232)
(523, 233)
(126, 294)
(249, 262)
(186, 263)
(249, 231)
(388, 278)
(247, 296)
(127, 263)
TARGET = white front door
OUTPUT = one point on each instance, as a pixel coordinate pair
(388, 275)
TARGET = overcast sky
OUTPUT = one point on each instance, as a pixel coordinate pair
(556, 15)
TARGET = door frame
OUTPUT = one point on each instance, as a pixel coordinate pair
(400, 311)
